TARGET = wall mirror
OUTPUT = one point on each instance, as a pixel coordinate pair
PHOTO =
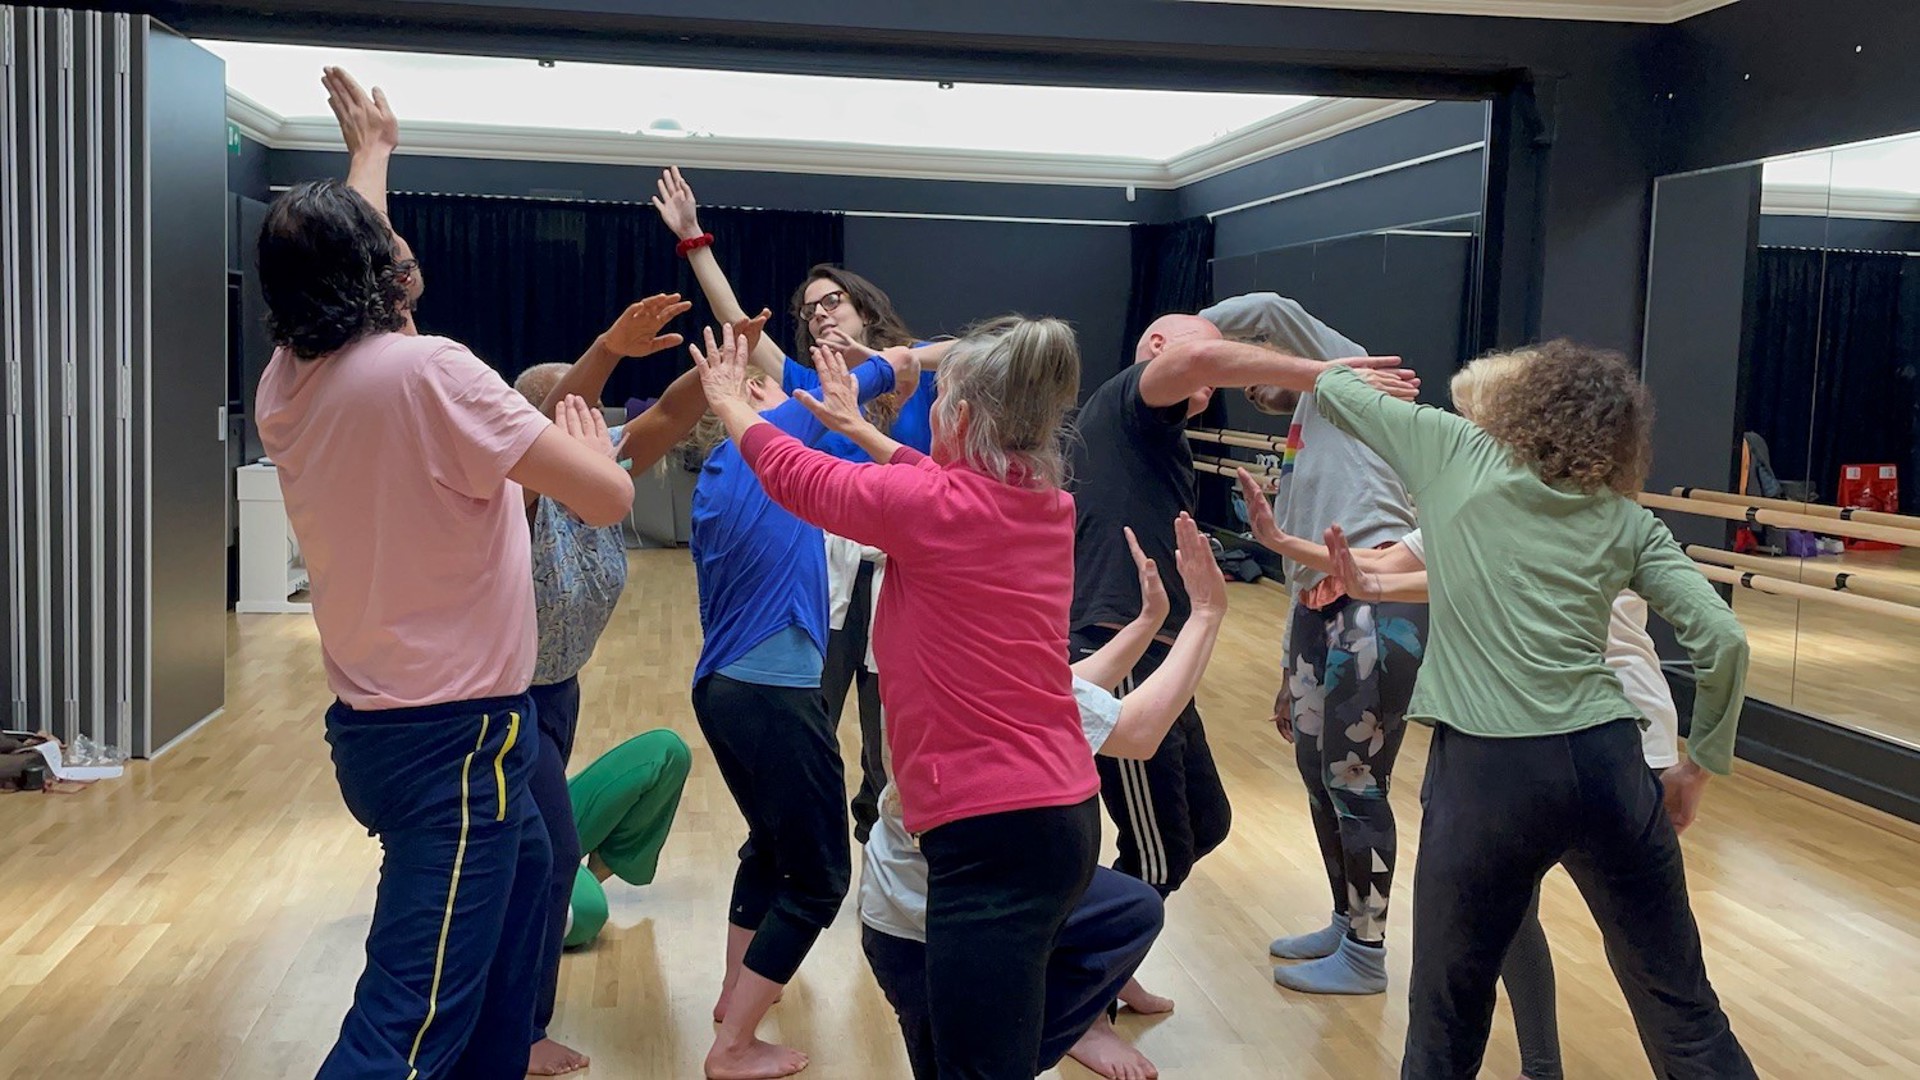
(1783, 344)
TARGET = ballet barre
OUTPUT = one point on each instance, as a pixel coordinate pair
(1227, 467)
(1780, 519)
(1246, 440)
(1820, 510)
(1825, 576)
(1773, 586)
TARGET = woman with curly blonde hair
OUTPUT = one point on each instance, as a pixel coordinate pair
(1531, 533)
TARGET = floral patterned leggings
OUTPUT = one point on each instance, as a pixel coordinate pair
(1350, 674)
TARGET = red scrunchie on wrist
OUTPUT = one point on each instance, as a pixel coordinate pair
(692, 244)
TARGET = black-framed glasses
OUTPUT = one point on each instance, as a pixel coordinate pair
(829, 303)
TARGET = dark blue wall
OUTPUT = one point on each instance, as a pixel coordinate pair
(1448, 189)
(1856, 234)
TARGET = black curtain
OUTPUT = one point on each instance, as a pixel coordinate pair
(528, 281)
(1832, 374)
(1172, 272)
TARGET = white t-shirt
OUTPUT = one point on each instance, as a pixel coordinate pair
(893, 874)
(1631, 655)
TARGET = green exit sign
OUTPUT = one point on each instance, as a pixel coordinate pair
(233, 139)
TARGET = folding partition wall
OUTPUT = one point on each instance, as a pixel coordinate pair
(113, 323)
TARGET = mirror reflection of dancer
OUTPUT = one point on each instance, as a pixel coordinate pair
(1350, 664)
(994, 770)
(1133, 469)
(1110, 930)
(840, 309)
(1531, 533)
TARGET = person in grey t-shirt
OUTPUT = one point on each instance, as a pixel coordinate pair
(1350, 665)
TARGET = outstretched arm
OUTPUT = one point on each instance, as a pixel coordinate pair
(1395, 559)
(648, 437)
(372, 133)
(867, 503)
(1404, 586)
(838, 404)
(1149, 710)
(1110, 664)
(681, 213)
(1187, 367)
(635, 333)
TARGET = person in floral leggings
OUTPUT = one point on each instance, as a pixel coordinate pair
(1350, 664)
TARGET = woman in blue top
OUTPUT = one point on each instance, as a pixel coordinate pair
(756, 693)
(841, 309)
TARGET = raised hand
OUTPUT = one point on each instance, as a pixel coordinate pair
(751, 329)
(1199, 570)
(838, 340)
(1259, 512)
(367, 122)
(585, 425)
(838, 406)
(723, 368)
(1154, 604)
(906, 370)
(1386, 374)
(637, 331)
(676, 204)
(1355, 582)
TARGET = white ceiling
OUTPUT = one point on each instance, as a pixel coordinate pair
(491, 107)
(1641, 11)
(1144, 125)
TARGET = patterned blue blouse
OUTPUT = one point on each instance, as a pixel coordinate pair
(578, 575)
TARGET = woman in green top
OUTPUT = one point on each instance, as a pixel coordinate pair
(1531, 532)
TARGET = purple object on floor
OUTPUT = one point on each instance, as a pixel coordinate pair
(1799, 543)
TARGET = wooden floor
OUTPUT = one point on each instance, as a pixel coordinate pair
(1833, 663)
(203, 917)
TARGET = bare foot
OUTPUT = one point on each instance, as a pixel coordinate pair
(549, 1058)
(754, 1060)
(1105, 1052)
(1135, 997)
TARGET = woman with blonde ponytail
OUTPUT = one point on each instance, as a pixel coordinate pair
(994, 771)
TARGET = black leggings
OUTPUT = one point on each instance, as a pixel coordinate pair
(999, 889)
(1500, 812)
(776, 751)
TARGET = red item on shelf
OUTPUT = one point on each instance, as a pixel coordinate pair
(1870, 487)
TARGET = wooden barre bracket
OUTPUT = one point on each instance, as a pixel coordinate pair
(1780, 519)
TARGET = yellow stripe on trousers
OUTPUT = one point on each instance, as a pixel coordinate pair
(453, 890)
(500, 763)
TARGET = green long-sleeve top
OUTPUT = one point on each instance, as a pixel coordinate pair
(1521, 576)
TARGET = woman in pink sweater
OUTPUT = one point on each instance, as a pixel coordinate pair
(995, 775)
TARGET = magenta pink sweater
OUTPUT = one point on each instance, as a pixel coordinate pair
(971, 629)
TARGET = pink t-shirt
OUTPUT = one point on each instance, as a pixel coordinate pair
(393, 456)
(981, 717)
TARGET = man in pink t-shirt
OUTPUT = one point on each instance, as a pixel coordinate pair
(403, 460)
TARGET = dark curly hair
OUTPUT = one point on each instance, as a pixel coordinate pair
(884, 330)
(1579, 417)
(329, 270)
